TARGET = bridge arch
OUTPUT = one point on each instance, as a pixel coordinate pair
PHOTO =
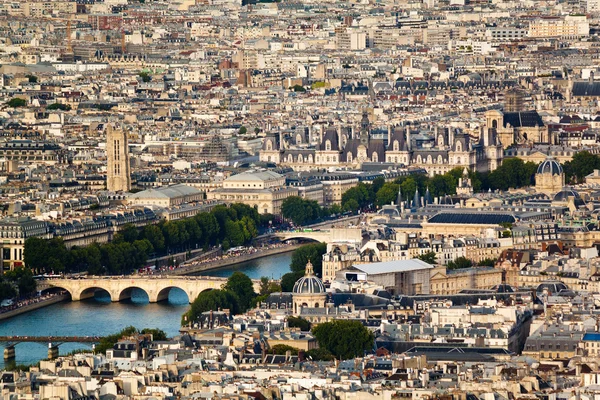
(126, 293)
(90, 292)
(163, 294)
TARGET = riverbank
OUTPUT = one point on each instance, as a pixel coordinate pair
(226, 262)
(34, 306)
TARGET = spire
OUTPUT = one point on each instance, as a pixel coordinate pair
(417, 199)
(427, 196)
(399, 199)
(309, 269)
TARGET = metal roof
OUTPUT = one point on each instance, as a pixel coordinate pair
(393, 266)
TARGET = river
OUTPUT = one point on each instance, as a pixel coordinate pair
(98, 316)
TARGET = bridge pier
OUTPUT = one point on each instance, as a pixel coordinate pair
(52, 351)
(9, 353)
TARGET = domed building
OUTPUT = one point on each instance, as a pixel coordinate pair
(568, 198)
(549, 177)
(308, 291)
(550, 287)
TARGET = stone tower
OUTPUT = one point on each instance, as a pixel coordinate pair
(118, 176)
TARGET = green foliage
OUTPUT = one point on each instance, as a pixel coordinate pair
(387, 194)
(319, 354)
(59, 106)
(235, 225)
(282, 349)
(288, 280)
(300, 211)
(344, 339)
(313, 252)
(109, 341)
(241, 285)
(7, 289)
(157, 334)
(298, 88)
(582, 164)
(243, 130)
(267, 286)
(460, 263)
(488, 262)
(298, 322)
(16, 102)
(357, 197)
(319, 84)
(145, 77)
(513, 173)
(32, 78)
(23, 279)
(430, 257)
(210, 300)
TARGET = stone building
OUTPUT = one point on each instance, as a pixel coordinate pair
(265, 190)
(549, 178)
(438, 150)
(117, 166)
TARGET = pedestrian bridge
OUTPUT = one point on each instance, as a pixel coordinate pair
(156, 287)
(352, 234)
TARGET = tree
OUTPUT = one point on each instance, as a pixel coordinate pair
(267, 286)
(430, 257)
(32, 78)
(108, 342)
(59, 106)
(288, 280)
(242, 286)
(243, 130)
(7, 290)
(16, 102)
(460, 263)
(299, 210)
(313, 252)
(282, 349)
(488, 262)
(210, 300)
(582, 164)
(145, 77)
(23, 278)
(387, 194)
(155, 236)
(157, 334)
(130, 233)
(298, 88)
(298, 322)
(344, 339)
(319, 354)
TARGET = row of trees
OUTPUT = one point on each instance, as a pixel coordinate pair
(18, 282)
(229, 226)
(581, 165)
(301, 211)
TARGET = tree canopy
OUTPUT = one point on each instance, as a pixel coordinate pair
(16, 102)
(344, 339)
(313, 252)
(582, 164)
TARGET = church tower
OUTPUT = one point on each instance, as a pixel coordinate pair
(118, 177)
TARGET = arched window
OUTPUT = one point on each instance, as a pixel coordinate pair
(298, 139)
(495, 123)
(458, 146)
(269, 145)
(440, 140)
(349, 157)
(328, 145)
(300, 158)
(396, 145)
(290, 158)
(375, 157)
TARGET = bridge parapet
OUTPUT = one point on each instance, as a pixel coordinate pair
(156, 287)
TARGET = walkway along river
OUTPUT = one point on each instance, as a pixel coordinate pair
(99, 317)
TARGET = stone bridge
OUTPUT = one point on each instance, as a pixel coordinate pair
(156, 287)
(352, 234)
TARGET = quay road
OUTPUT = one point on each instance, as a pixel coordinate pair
(50, 339)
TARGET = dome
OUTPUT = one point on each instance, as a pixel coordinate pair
(564, 195)
(309, 283)
(550, 166)
(551, 287)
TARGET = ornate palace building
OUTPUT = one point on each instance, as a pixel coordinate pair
(436, 149)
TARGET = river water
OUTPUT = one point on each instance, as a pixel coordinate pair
(99, 317)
